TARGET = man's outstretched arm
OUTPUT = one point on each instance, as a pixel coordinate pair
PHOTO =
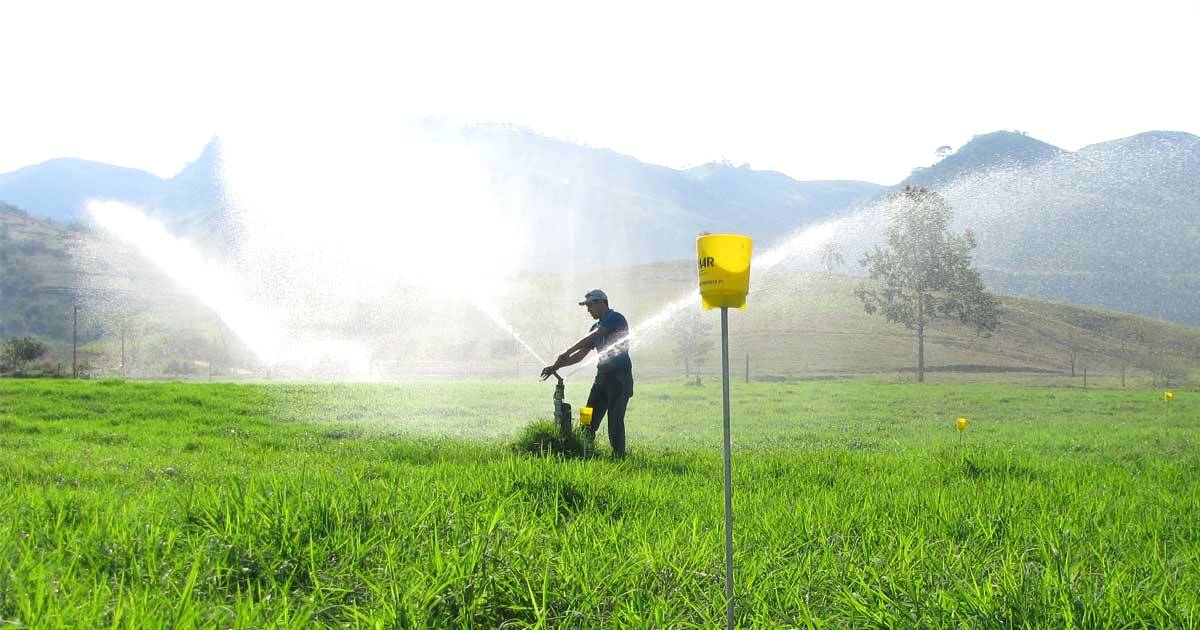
(574, 354)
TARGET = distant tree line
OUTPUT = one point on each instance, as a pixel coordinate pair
(17, 353)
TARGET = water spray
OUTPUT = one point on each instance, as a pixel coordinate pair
(489, 309)
(801, 243)
(213, 284)
(217, 286)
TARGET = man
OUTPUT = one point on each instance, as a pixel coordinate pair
(613, 387)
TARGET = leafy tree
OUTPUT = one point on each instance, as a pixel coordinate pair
(925, 271)
(831, 257)
(19, 351)
(1165, 371)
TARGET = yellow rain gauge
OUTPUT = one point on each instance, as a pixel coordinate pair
(585, 422)
(724, 274)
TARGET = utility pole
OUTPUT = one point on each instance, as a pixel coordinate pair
(747, 367)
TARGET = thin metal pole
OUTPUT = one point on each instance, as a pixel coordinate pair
(728, 475)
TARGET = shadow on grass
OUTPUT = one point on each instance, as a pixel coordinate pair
(982, 467)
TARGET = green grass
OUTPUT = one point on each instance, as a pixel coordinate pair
(151, 505)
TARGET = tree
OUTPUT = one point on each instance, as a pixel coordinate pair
(1124, 356)
(1075, 349)
(1165, 371)
(830, 256)
(925, 271)
(18, 351)
(1166, 368)
(692, 342)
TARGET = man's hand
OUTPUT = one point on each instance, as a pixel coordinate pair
(549, 371)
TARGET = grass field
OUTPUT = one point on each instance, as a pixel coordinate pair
(856, 504)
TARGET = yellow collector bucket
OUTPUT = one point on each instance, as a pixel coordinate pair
(724, 265)
(585, 416)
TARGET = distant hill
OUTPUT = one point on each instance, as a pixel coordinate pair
(799, 325)
(197, 187)
(809, 325)
(1115, 224)
(999, 149)
(584, 207)
(579, 206)
(36, 273)
(59, 189)
(126, 308)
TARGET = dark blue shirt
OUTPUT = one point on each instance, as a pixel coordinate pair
(617, 335)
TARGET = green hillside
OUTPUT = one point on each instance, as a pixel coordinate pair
(799, 325)
(35, 276)
(64, 283)
(810, 325)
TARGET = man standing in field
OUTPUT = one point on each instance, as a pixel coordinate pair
(613, 387)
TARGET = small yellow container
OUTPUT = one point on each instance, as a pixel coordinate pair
(585, 416)
(724, 266)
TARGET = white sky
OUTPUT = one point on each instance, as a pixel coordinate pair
(845, 90)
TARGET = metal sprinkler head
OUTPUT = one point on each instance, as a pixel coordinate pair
(562, 410)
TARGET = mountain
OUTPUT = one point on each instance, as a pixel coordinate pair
(198, 186)
(62, 283)
(586, 208)
(1115, 224)
(996, 150)
(579, 205)
(36, 273)
(59, 189)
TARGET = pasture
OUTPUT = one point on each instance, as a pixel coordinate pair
(130, 504)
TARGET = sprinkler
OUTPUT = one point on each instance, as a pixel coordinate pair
(562, 410)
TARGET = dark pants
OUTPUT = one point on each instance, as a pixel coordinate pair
(610, 394)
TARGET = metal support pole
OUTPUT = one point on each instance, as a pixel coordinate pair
(728, 475)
